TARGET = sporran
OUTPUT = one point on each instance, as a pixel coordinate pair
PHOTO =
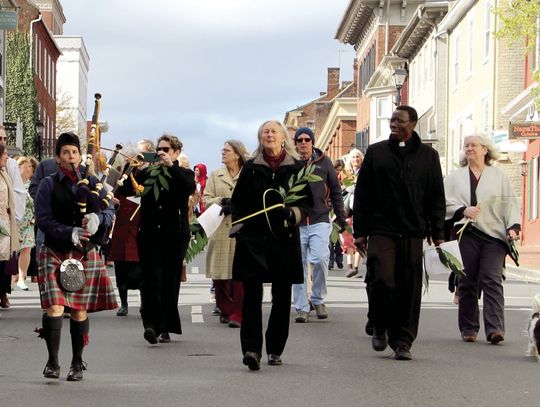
(71, 277)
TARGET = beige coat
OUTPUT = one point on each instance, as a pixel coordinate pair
(220, 253)
(8, 244)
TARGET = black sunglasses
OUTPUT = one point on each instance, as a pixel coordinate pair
(303, 140)
(165, 149)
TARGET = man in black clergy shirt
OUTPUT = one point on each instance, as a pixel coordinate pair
(399, 202)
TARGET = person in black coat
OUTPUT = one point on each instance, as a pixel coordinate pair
(163, 239)
(399, 202)
(267, 244)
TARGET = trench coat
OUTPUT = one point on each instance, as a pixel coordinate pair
(8, 244)
(219, 257)
(267, 250)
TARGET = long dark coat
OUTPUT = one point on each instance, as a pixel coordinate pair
(266, 250)
(163, 240)
(124, 238)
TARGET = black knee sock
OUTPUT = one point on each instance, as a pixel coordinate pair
(52, 327)
(78, 330)
(123, 297)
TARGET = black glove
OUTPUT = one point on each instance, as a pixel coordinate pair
(226, 206)
(288, 215)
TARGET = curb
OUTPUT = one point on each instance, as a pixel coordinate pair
(523, 274)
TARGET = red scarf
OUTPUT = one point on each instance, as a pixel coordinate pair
(274, 162)
(70, 174)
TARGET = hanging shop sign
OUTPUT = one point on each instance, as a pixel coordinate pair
(525, 130)
(8, 20)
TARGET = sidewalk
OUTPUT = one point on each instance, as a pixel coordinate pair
(529, 265)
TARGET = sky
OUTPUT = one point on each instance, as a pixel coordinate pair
(205, 70)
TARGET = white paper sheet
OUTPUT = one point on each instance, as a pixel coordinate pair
(432, 262)
(210, 219)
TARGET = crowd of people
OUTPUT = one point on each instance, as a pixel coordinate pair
(281, 208)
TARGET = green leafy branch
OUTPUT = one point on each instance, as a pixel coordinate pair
(198, 241)
(158, 175)
(297, 183)
(451, 262)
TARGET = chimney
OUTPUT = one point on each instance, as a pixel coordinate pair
(332, 84)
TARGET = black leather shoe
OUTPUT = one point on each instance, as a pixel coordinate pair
(252, 360)
(51, 371)
(274, 360)
(223, 319)
(234, 324)
(369, 328)
(379, 341)
(76, 372)
(150, 336)
(164, 338)
(403, 353)
(122, 312)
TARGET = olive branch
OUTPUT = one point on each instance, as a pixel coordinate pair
(296, 184)
(158, 175)
(198, 241)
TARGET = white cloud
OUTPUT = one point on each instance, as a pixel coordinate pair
(207, 70)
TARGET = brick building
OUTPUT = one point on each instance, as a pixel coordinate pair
(332, 116)
(45, 53)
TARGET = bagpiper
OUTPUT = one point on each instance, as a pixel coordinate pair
(71, 273)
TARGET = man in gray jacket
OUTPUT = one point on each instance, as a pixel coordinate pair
(316, 229)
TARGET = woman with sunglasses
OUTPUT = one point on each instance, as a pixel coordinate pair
(163, 239)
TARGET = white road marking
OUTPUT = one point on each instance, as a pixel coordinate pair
(196, 314)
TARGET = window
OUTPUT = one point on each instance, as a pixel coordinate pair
(45, 70)
(36, 53)
(485, 114)
(470, 44)
(53, 87)
(456, 60)
(532, 188)
(414, 78)
(366, 69)
(49, 74)
(425, 59)
(384, 111)
(487, 28)
(39, 59)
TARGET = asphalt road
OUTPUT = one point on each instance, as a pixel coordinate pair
(326, 363)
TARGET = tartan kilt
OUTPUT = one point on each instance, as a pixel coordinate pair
(97, 294)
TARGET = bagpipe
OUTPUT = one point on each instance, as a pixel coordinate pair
(92, 193)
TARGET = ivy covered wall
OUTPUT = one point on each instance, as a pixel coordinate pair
(21, 102)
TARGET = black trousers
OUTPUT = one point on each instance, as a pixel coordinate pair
(5, 279)
(336, 253)
(277, 331)
(483, 261)
(395, 280)
(160, 289)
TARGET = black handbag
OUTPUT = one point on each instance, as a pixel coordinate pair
(71, 276)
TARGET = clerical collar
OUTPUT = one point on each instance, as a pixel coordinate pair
(402, 144)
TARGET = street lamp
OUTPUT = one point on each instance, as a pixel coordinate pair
(39, 130)
(399, 75)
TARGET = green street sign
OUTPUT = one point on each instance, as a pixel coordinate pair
(8, 20)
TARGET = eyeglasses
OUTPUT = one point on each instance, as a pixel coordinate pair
(164, 149)
(399, 121)
(303, 140)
